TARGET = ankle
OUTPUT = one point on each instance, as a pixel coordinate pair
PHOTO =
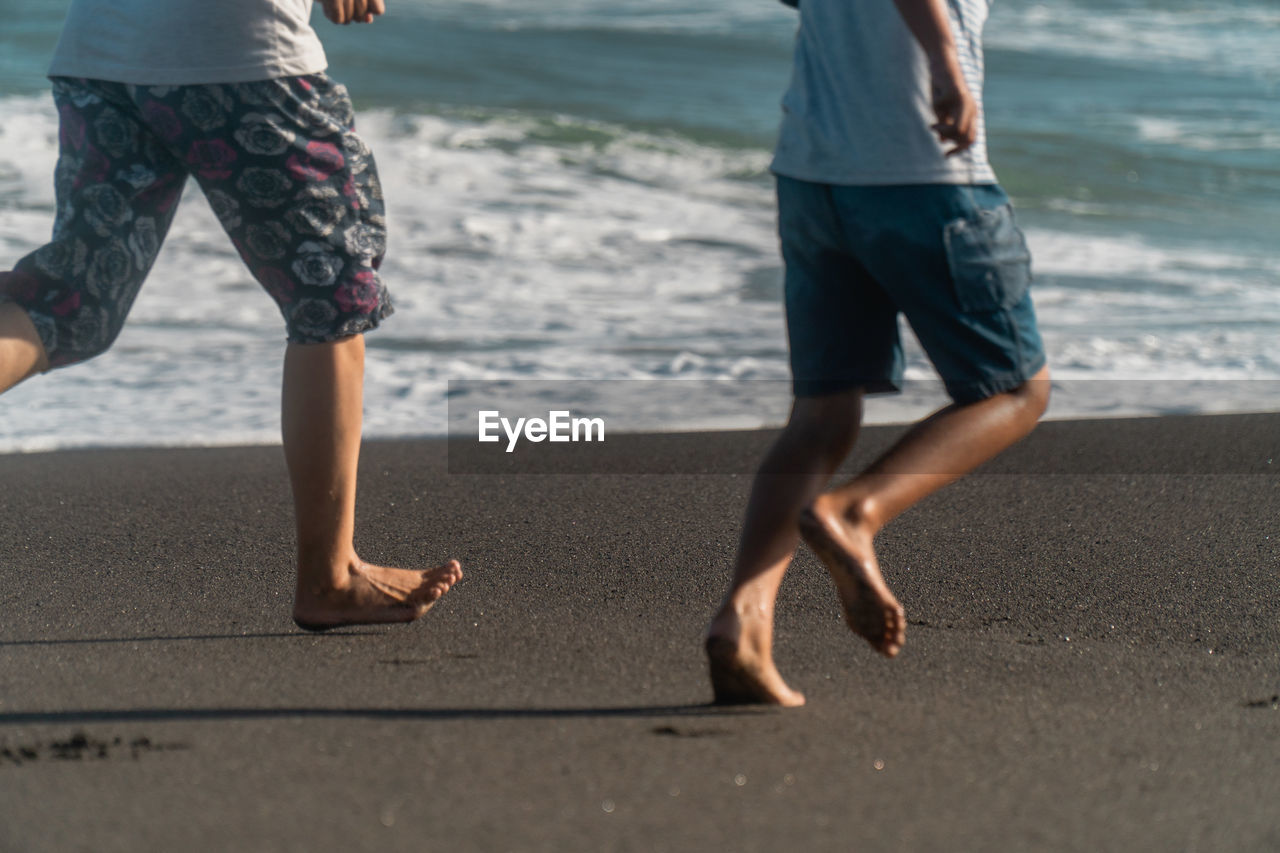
(321, 573)
(861, 513)
(747, 622)
(864, 513)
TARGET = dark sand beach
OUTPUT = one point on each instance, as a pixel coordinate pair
(1092, 657)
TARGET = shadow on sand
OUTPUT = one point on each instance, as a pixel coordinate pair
(277, 635)
(188, 715)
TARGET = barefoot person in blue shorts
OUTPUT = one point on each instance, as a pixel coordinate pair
(151, 92)
(886, 206)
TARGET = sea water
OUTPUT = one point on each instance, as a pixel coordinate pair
(578, 190)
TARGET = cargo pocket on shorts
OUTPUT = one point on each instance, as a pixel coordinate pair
(989, 261)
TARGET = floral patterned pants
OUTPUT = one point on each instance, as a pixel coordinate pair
(294, 187)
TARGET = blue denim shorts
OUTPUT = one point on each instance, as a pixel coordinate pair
(950, 258)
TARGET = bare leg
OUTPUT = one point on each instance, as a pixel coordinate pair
(21, 352)
(323, 395)
(739, 642)
(841, 524)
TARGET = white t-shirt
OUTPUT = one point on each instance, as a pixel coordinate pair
(859, 108)
(184, 42)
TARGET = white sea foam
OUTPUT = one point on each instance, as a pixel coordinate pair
(527, 248)
(1217, 37)
(1224, 36)
(1110, 256)
(1241, 134)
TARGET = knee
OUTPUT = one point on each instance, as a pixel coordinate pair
(1034, 395)
(71, 321)
(22, 347)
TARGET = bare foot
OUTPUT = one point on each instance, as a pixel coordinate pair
(742, 673)
(374, 595)
(870, 609)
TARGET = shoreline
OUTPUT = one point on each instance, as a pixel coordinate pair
(429, 438)
(1241, 443)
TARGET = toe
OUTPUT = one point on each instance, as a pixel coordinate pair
(448, 574)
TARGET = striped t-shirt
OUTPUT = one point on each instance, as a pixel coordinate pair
(177, 42)
(859, 108)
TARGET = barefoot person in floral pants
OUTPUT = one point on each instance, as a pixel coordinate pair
(151, 92)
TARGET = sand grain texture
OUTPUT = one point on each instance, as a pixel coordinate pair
(1092, 658)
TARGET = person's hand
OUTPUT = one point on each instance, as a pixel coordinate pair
(955, 108)
(353, 11)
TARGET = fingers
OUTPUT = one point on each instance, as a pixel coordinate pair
(966, 131)
(339, 11)
(353, 11)
(957, 119)
(961, 133)
(364, 11)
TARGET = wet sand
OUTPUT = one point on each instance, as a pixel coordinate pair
(1092, 657)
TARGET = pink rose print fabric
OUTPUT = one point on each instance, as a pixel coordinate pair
(280, 163)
